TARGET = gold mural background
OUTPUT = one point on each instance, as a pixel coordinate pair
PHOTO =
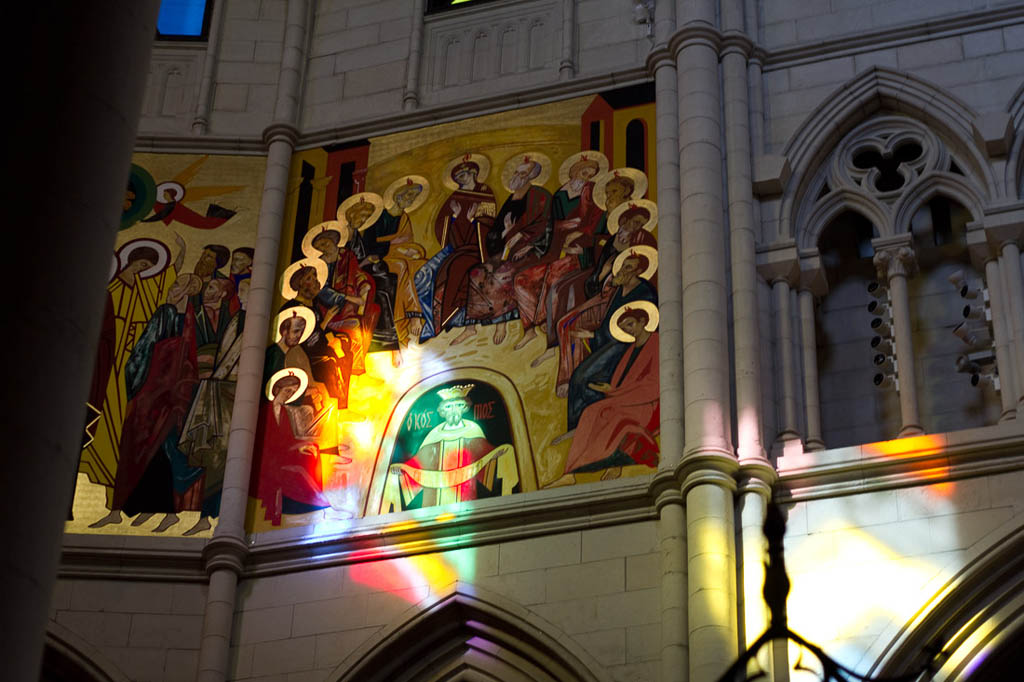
(212, 200)
(366, 428)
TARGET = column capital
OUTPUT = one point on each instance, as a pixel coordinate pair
(225, 552)
(280, 131)
(757, 478)
(735, 42)
(695, 33)
(715, 468)
(658, 57)
(894, 258)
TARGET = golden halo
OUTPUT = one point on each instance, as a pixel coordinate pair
(515, 161)
(649, 252)
(307, 242)
(321, 275)
(479, 159)
(639, 185)
(281, 374)
(602, 165)
(647, 307)
(616, 214)
(389, 193)
(162, 255)
(369, 197)
(295, 311)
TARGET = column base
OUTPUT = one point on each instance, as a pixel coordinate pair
(814, 444)
(910, 430)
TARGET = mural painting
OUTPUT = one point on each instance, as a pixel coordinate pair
(159, 407)
(466, 311)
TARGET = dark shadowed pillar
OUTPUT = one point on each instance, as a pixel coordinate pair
(74, 88)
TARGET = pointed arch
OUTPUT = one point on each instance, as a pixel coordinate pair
(65, 651)
(948, 185)
(835, 204)
(469, 634)
(877, 89)
(974, 614)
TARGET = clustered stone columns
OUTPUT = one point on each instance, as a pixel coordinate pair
(895, 262)
(709, 464)
(72, 107)
(225, 553)
(671, 514)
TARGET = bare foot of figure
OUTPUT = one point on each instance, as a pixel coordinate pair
(466, 333)
(113, 517)
(396, 358)
(567, 479)
(546, 355)
(609, 474)
(169, 520)
(529, 335)
(562, 391)
(565, 436)
(499, 333)
(202, 524)
(142, 518)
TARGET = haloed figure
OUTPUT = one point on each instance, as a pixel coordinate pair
(620, 428)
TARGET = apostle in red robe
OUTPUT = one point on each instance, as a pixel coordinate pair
(462, 223)
(346, 302)
(620, 429)
(287, 476)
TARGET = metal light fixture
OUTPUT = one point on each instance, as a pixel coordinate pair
(776, 589)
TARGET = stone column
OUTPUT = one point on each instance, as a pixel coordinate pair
(708, 459)
(567, 66)
(225, 553)
(787, 370)
(201, 121)
(809, 357)
(1009, 263)
(742, 237)
(1008, 370)
(78, 100)
(671, 516)
(896, 262)
(754, 496)
(411, 97)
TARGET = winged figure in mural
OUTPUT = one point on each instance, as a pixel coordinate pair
(170, 195)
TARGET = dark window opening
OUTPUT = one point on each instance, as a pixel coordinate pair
(303, 209)
(346, 180)
(847, 240)
(183, 20)
(595, 136)
(889, 177)
(636, 145)
(825, 189)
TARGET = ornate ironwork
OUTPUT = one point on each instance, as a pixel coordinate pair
(776, 589)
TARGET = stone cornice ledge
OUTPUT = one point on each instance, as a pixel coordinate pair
(544, 512)
(131, 557)
(901, 463)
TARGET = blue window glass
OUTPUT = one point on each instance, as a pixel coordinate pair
(186, 18)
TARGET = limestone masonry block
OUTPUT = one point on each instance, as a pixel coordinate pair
(993, 133)
(771, 173)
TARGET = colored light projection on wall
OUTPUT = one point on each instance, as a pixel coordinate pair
(156, 422)
(466, 311)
